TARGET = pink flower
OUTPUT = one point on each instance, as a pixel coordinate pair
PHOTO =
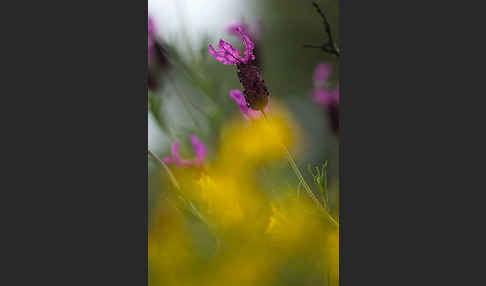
(327, 97)
(175, 158)
(247, 112)
(228, 55)
(321, 94)
(321, 74)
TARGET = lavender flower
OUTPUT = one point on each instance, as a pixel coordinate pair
(175, 158)
(255, 91)
(329, 98)
(229, 55)
(321, 74)
(253, 31)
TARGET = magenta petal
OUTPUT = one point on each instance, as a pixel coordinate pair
(247, 112)
(241, 101)
(320, 96)
(238, 97)
(267, 109)
(227, 47)
(232, 28)
(231, 52)
(223, 56)
(227, 55)
(254, 114)
(249, 46)
(199, 150)
(211, 50)
(321, 74)
(175, 149)
(167, 160)
(326, 97)
(175, 158)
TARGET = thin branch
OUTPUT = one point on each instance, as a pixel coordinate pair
(329, 47)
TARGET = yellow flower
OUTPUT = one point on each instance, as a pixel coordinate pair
(221, 199)
(330, 248)
(244, 236)
(245, 143)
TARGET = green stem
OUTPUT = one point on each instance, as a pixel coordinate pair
(306, 186)
(297, 172)
(163, 165)
(177, 186)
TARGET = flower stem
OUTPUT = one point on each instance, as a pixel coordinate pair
(298, 173)
(163, 165)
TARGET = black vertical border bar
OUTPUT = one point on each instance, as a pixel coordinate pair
(79, 149)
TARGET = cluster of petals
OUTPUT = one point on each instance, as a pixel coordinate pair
(199, 152)
(228, 55)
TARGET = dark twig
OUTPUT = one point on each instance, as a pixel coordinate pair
(330, 46)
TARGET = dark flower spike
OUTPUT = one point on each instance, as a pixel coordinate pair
(256, 93)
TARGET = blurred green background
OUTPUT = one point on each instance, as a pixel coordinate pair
(194, 91)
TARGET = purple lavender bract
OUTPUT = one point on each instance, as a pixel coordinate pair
(256, 93)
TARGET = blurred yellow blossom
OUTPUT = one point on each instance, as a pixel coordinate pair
(228, 230)
(259, 140)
